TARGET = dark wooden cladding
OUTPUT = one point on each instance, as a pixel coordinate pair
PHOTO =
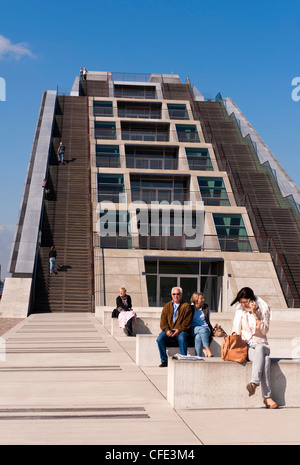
(273, 216)
(94, 88)
(67, 217)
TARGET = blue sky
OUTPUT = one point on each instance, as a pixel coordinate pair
(248, 51)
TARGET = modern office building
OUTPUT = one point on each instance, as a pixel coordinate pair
(160, 188)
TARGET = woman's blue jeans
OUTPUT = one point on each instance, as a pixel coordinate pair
(52, 264)
(162, 342)
(201, 334)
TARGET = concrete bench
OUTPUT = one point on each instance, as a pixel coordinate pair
(213, 383)
(141, 326)
(150, 319)
(147, 350)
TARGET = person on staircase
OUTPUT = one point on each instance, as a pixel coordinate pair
(52, 258)
(61, 153)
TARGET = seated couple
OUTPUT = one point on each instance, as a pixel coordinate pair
(179, 319)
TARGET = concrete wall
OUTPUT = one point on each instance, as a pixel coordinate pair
(23, 256)
(126, 268)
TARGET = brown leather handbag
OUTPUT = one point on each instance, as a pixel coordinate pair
(234, 349)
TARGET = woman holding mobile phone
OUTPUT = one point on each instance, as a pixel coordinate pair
(251, 321)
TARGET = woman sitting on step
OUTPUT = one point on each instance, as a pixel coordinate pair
(251, 321)
(126, 316)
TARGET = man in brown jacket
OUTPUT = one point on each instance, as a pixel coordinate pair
(176, 318)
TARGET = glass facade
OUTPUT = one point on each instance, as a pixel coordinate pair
(199, 159)
(108, 156)
(187, 133)
(105, 130)
(192, 275)
(147, 157)
(231, 232)
(110, 186)
(213, 191)
(103, 108)
(177, 111)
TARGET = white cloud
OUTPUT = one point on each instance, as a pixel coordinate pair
(16, 50)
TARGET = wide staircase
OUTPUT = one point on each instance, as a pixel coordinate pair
(271, 215)
(67, 217)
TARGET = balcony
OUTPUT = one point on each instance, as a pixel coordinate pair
(105, 130)
(151, 158)
(139, 110)
(102, 108)
(137, 92)
(157, 189)
(108, 156)
(187, 133)
(177, 111)
(145, 132)
(213, 191)
(199, 159)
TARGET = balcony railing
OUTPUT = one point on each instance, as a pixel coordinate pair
(136, 113)
(147, 136)
(184, 136)
(158, 194)
(153, 163)
(108, 160)
(106, 134)
(211, 243)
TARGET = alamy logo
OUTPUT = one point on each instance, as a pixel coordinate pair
(162, 219)
(296, 91)
(2, 90)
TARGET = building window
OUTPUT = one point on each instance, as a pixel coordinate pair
(199, 159)
(213, 191)
(152, 158)
(128, 91)
(107, 156)
(103, 108)
(177, 111)
(157, 189)
(105, 130)
(139, 110)
(110, 186)
(168, 229)
(149, 132)
(231, 233)
(187, 133)
(191, 275)
(114, 230)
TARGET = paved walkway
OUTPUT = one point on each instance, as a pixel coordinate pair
(66, 380)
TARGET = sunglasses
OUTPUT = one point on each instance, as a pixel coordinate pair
(176, 294)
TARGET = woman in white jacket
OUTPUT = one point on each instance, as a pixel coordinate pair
(251, 321)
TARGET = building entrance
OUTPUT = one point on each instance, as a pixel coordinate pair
(192, 276)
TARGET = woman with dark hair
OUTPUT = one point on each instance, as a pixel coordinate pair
(251, 321)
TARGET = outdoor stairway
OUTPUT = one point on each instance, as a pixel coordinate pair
(67, 216)
(272, 214)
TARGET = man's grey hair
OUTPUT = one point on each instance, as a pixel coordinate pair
(176, 287)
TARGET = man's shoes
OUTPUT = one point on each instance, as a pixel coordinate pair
(163, 364)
